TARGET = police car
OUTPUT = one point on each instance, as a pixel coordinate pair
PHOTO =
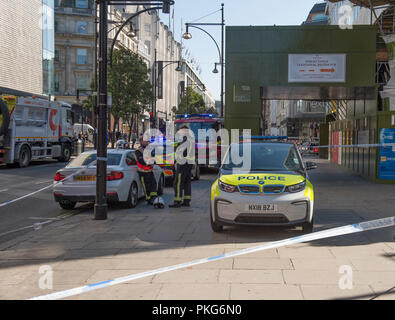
(269, 188)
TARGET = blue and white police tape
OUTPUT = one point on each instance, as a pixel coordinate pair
(371, 145)
(354, 228)
(47, 187)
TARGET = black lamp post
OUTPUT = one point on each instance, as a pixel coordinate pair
(100, 212)
(187, 35)
(157, 72)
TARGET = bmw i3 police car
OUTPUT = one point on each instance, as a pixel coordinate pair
(273, 189)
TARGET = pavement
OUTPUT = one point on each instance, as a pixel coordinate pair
(82, 251)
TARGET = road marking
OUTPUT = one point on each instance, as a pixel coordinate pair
(47, 187)
(45, 181)
(354, 228)
(24, 228)
(4, 190)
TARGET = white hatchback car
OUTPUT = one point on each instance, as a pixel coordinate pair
(123, 183)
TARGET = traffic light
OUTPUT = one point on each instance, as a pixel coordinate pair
(152, 120)
(166, 6)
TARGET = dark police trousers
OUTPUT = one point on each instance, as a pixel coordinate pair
(149, 185)
(182, 183)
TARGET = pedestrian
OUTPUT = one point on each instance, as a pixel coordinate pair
(184, 161)
(146, 173)
(133, 139)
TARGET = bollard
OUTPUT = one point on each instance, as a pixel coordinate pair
(78, 147)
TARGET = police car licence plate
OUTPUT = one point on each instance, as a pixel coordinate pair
(261, 208)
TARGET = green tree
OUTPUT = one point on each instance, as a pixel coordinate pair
(129, 84)
(192, 102)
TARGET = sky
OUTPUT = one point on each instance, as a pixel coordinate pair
(237, 13)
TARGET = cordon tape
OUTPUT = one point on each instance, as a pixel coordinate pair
(354, 228)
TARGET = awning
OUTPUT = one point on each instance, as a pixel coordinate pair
(368, 3)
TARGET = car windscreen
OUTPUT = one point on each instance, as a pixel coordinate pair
(113, 159)
(266, 157)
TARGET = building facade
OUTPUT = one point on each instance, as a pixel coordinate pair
(28, 25)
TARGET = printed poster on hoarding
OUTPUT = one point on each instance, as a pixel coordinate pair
(317, 68)
(387, 155)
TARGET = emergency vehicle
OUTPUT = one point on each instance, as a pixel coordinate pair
(270, 187)
(33, 128)
(205, 122)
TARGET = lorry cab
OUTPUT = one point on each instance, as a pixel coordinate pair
(37, 129)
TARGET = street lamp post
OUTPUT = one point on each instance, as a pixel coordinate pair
(156, 77)
(100, 211)
(188, 36)
(101, 159)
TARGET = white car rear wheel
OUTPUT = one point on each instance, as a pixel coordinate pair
(133, 197)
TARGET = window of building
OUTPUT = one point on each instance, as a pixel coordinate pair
(57, 82)
(82, 27)
(82, 81)
(82, 4)
(82, 56)
(57, 54)
(148, 45)
(147, 29)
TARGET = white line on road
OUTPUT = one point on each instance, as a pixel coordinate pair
(4, 190)
(45, 181)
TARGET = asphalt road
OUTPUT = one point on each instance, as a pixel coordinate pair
(17, 182)
(19, 217)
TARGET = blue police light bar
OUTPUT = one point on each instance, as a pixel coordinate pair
(183, 116)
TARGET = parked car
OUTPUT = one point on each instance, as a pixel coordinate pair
(123, 183)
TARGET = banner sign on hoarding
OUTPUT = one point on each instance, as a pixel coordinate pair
(387, 155)
(317, 68)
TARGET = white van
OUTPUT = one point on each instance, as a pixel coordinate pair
(87, 129)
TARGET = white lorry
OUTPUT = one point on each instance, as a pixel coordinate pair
(33, 128)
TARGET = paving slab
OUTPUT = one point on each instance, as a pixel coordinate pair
(330, 292)
(265, 292)
(251, 276)
(194, 291)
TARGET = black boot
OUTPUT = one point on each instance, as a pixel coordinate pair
(186, 203)
(176, 204)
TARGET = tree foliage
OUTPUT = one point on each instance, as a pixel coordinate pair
(129, 84)
(192, 102)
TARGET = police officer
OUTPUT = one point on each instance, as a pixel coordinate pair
(184, 159)
(146, 173)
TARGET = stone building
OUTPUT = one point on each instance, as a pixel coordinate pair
(31, 26)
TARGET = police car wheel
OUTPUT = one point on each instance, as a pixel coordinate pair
(161, 185)
(133, 197)
(215, 226)
(308, 227)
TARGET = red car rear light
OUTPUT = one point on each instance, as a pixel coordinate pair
(59, 176)
(115, 175)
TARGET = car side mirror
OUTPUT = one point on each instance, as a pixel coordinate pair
(311, 165)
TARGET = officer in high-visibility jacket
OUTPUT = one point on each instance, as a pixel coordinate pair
(146, 173)
(185, 159)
